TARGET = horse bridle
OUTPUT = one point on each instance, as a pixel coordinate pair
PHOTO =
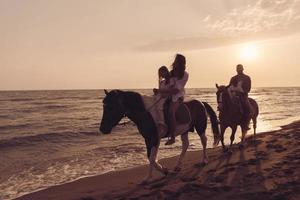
(220, 101)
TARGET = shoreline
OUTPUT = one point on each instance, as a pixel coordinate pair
(262, 163)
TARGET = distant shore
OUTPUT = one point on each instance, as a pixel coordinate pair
(266, 168)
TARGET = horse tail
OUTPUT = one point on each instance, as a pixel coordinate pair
(214, 122)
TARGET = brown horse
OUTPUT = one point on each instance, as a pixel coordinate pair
(118, 104)
(231, 116)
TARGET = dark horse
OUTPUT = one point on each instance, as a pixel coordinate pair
(230, 115)
(118, 104)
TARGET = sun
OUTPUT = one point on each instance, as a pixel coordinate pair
(249, 52)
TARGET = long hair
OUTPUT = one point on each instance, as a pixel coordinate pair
(178, 66)
(160, 71)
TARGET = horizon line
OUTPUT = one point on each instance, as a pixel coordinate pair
(16, 90)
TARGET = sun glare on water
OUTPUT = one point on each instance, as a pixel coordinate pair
(249, 52)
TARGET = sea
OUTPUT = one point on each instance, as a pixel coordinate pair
(49, 138)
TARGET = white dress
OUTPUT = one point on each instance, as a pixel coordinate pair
(179, 84)
(161, 100)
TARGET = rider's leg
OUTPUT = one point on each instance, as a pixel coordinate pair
(246, 115)
(173, 108)
(161, 125)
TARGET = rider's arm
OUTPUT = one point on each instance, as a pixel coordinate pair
(231, 81)
(247, 85)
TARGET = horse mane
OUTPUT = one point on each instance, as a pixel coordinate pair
(223, 87)
(133, 100)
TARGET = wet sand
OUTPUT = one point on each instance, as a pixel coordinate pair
(268, 167)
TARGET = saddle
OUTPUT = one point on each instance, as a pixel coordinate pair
(182, 115)
(245, 110)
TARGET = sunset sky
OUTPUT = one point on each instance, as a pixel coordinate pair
(94, 44)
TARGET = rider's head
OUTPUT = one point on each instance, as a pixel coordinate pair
(239, 69)
(163, 72)
(179, 66)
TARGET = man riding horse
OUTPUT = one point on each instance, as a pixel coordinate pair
(235, 107)
(245, 82)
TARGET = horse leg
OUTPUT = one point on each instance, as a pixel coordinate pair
(201, 126)
(185, 145)
(222, 138)
(150, 153)
(254, 119)
(244, 132)
(152, 157)
(232, 135)
(153, 160)
(204, 143)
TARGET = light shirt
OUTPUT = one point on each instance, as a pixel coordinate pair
(179, 84)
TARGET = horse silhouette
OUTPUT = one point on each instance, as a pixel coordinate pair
(231, 116)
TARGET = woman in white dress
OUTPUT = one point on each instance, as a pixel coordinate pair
(179, 78)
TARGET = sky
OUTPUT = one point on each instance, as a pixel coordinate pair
(95, 44)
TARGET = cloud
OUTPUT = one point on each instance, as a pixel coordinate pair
(264, 16)
(264, 19)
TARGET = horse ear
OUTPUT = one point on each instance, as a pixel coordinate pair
(105, 91)
(217, 86)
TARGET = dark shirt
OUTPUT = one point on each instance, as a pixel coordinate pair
(246, 82)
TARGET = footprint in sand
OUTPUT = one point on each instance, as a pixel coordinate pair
(188, 179)
(219, 179)
(261, 155)
(253, 161)
(278, 148)
(228, 170)
(289, 172)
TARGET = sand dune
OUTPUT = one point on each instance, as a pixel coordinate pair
(266, 168)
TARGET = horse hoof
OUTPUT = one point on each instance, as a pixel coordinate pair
(241, 146)
(225, 150)
(177, 169)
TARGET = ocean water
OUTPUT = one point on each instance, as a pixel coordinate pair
(51, 137)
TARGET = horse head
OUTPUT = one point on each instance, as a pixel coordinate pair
(113, 110)
(222, 96)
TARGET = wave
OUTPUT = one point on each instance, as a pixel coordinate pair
(17, 126)
(44, 107)
(19, 99)
(47, 137)
(54, 107)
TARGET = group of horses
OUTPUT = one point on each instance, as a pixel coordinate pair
(118, 104)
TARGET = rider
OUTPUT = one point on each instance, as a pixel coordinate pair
(164, 85)
(164, 82)
(245, 82)
(179, 78)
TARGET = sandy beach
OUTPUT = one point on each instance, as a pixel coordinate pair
(266, 168)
